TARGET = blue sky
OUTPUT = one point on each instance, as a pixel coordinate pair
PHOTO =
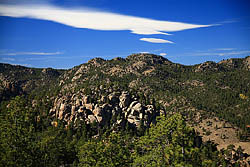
(66, 33)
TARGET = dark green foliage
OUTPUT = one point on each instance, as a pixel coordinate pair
(26, 141)
(113, 150)
(172, 143)
(17, 135)
(169, 142)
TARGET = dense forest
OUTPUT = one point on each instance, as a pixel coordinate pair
(138, 111)
(27, 139)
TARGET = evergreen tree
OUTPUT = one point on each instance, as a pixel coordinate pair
(171, 143)
(112, 151)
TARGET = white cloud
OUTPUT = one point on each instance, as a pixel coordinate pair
(97, 20)
(155, 40)
(163, 54)
(31, 53)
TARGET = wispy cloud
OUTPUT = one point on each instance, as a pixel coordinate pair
(96, 20)
(238, 52)
(155, 40)
(163, 54)
(7, 59)
(234, 53)
(30, 53)
(27, 65)
(224, 49)
(229, 21)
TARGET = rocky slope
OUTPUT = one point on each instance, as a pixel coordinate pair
(18, 80)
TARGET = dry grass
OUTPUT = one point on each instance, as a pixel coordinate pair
(221, 133)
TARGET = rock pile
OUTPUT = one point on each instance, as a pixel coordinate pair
(118, 109)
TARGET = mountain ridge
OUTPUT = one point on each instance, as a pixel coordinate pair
(209, 86)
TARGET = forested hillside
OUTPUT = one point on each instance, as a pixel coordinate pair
(140, 111)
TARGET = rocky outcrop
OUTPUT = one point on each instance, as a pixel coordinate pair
(148, 59)
(235, 63)
(49, 72)
(118, 108)
(97, 62)
(231, 63)
(17, 80)
(9, 88)
(247, 62)
(207, 66)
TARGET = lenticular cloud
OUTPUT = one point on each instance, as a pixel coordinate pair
(96, 20)
(155, 40)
